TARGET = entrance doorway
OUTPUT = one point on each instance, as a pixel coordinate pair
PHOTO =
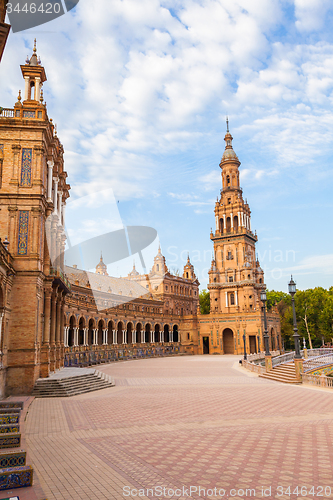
(253, 344)
(205, 342)
(228, 341)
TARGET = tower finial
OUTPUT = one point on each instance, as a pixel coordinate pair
(227, 120)
(35, 47)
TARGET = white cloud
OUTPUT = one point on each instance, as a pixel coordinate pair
(310, 14)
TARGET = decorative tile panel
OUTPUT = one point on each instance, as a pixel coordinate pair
(15, 458)
(26, 167)
(9, 428)
(16, 477)
(29, 113)
(23, 232)
(10, 440)
(11, 418)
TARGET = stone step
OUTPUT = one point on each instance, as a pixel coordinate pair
(282, 373)
(277, 378)
(12, 458)
(17, 411)
(12, 404)
(16, 477)
(71, 386)
(9, 418)
(10, 440)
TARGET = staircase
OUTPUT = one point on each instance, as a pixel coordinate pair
(282, 373)
(71, 386)
(14, 473)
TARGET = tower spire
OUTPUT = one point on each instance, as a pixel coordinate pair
(227, 120)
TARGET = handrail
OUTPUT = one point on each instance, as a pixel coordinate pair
(317, 362)
(6, 113)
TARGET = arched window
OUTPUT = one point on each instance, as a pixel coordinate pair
(236, 223)
(228, 180)
(157, 267)
(228, 225)
(221, 225)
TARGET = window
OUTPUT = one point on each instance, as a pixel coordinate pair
(188, 336)
(228, 180)
(229, 201)
(232, 299)
(157, 267)
(231, 279)
(249, 276)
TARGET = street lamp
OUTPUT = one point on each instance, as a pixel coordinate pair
(263, 297)
(244, 341)
(292, 291)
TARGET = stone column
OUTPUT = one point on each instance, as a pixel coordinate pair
(134, 336)
(47, 315)
(63, 213)
(124, 337)
(59, 207)
(152, 336)
(114, 336)
(50, 165)
(53, 330)
(85, 336)
(232, 220)
(26, 88)
(55, 195)
(76, 337)
(143, 336)
(226, 299)
(95, 336)
(161, 336)
(37, 88)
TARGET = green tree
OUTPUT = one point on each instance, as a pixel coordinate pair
(204, 300)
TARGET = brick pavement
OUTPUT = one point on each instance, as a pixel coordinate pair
(196, 420)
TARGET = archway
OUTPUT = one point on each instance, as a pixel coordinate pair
(100, 332)
(129, 333)
(110, 332)
(205, 345)
(120, 332)
(82, 325)
(157, 333)
(175, 333)
(228, 341)
(71, 331)
(138, 333)
(147, 333)
(236, 223)
(91, 327)
(166, 333)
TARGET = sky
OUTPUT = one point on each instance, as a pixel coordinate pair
(140, 90)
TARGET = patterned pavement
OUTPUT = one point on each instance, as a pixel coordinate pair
(181, 422)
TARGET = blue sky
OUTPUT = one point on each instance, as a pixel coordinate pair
(140, 90)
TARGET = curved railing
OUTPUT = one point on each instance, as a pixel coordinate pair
(317, 362)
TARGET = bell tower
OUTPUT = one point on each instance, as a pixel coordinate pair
(235, 277)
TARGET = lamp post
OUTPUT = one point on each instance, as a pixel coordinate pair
(292, 291)
(244, 341)
(263, 297)
(259, 344)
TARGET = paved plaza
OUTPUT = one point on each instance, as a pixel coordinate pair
(200, 421)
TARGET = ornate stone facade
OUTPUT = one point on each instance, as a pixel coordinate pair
(53, 315)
